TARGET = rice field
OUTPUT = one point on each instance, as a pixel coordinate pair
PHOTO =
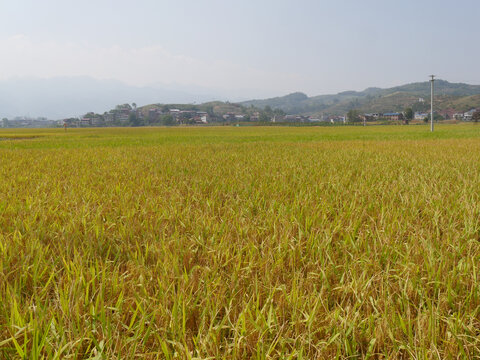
(240, 243)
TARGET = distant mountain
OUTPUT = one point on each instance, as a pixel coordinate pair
(371, 99)
(442, 87)
(63, 97)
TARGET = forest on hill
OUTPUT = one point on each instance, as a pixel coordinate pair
(457, 96)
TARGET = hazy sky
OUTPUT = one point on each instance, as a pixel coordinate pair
(257, 48)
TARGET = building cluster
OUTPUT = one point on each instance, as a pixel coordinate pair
(129, 115)
(232, 117)
(308, 119)
(420, 116)
(121, 115)
(189, 116)
(291, 119)
(447, 114)
(125, 114)
(27, 122)
(391, 116)
(334, 119)
(466, 116)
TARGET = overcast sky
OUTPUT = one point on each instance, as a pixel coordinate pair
(248, 47)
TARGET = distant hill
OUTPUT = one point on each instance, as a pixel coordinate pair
(63, 97)
(376, 99)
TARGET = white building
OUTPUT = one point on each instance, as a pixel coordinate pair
(420, 116)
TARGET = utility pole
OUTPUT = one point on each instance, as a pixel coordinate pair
(431, 101)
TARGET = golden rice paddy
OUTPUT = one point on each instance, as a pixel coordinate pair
(239, 243)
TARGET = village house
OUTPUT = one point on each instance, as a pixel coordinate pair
(374, 116)
(370, 117)
(200, 117)
(97, 121)
(229, 116)
(154, 114)
(109, 117)
(188, 116)
(255, 116)
(122, 117)
(338, 119)
(420, 116)
(468, 115)
(295, 119)
(393, 116)
(85, 122)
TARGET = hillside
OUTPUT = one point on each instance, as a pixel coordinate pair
(462, 103)
(458, 96)
(62, 97)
